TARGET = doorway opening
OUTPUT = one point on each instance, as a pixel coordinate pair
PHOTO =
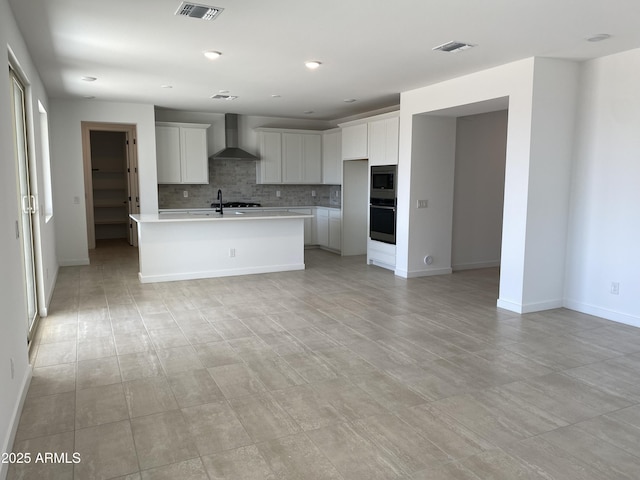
(111, 182)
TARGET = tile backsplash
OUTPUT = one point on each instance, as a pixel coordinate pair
(237, 179)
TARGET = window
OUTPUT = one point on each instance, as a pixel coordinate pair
(46, 162)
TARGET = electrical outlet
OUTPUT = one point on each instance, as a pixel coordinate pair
(278, 193)
(185, 193)
(615, 288)
(313, 193)
(76, 200)
(232, 252)
(422, 204)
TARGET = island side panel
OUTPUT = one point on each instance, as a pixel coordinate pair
(172, 251)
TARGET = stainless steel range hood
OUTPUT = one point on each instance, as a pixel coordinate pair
(231, 150)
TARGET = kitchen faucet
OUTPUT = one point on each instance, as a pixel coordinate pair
(219, 209)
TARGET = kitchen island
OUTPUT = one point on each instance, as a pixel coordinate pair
(204, 244)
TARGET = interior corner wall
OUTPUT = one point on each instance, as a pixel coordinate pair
(604, 224)
(66, 117)
(481, 144)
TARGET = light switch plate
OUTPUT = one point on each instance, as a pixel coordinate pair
(422, 204)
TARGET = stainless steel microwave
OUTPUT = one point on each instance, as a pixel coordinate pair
(383, 182)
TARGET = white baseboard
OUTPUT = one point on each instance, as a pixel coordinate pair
(606, 313)
(422, 273)
(475, 265)
(218, 273)
(15, 420)
(529, 307)
(73, 262)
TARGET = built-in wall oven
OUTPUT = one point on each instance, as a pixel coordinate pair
(382, 205)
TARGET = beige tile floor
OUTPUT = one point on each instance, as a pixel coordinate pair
(342, 371)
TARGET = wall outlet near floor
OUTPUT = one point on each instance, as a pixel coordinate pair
(422, 204)
(615, 288)
(278, 193)
(185, 193)
(232, 252)
(313, 193)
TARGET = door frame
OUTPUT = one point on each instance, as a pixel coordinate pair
(132, 168)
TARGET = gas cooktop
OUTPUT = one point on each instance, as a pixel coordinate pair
(236, 205)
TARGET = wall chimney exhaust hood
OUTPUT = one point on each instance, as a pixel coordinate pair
(231, 150)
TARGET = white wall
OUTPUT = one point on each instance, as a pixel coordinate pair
(604, 227)
(67, 166)
(536, 140)
(481, 144)
(432, 169)
(13, 323)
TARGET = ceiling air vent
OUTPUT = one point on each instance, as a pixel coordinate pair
(196, 10)
(453, 46)
(220, 96)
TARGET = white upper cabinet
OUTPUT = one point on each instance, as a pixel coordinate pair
(269, 167)
(181, 153)
(301, 158)
(355, 142)
(289, 156)
(332, 157)
(383, 141)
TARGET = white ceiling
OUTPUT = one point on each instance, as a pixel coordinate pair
(370, 50)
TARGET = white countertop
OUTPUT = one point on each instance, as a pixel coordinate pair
(205, 215)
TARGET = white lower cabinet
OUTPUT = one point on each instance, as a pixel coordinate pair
(335, 229)
(322, 227)
(381, 254)
(328, 228)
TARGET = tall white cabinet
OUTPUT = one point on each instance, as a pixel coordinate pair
(181, 151)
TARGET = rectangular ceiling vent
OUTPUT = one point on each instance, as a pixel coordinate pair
(195, 10)
(453, 46)
(220, 96)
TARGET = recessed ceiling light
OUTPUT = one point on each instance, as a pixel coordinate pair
(349, 100)
(88, 79)
(453, 46)
(312, 64)
(166, 86)
(212, 54)
(599, 37)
